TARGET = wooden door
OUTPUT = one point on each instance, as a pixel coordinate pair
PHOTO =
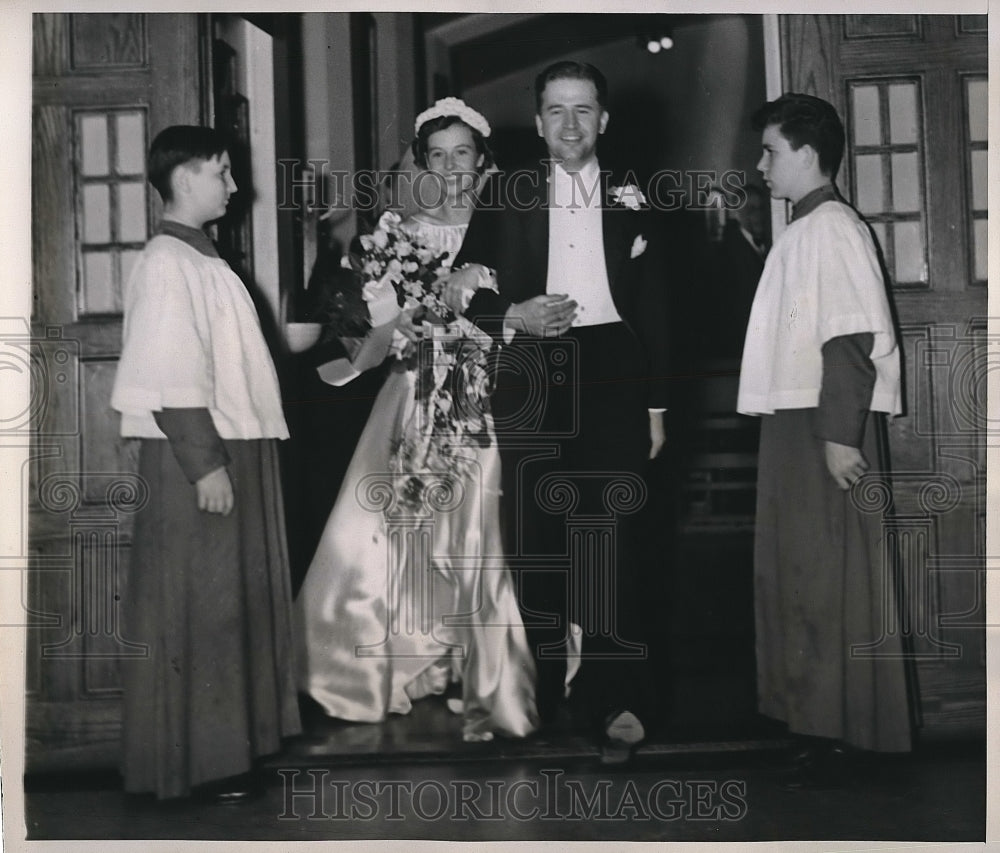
(103, 84)
(912, 90)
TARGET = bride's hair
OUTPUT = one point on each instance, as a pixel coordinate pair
(433, 125)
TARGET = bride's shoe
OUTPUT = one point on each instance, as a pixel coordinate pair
(457, 706)
(477, 737)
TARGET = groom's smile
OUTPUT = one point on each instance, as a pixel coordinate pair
(570, 119)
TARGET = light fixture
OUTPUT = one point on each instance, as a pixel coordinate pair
(655, 36)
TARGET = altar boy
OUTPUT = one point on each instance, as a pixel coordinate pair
(208, 591)
(821, 368)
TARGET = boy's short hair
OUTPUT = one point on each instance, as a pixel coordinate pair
(177, 145)
(806, 120)
(571, 70)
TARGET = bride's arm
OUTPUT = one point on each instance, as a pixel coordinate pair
(406, 327)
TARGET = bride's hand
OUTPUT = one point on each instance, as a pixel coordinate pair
(460, 286)
(406, 326)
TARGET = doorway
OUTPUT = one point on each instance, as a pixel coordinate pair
(687, 140)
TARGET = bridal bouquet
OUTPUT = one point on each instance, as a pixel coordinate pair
(451, 402)
(392, 271)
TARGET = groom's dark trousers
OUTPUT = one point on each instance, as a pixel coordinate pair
(572, 487)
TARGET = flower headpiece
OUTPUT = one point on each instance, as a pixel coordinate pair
(454, 107)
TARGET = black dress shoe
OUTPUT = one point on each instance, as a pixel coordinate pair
(819, 767)
(623, 732)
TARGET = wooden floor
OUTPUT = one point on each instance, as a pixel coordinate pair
(411, 779)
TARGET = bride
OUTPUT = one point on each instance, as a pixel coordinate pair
(385, 623)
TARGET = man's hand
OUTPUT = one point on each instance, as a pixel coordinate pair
(657, 434)
(215, 492)
(548, 315)
(460, 286)
(845, 463)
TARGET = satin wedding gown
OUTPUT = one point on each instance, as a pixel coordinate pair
(384, 622)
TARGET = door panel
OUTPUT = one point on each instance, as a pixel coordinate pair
(910, 89)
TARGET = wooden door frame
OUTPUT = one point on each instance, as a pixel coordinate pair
(774, 79)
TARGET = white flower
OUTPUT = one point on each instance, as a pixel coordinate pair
(389, 220)
(380, 239)
(410, 266)
(629, 195)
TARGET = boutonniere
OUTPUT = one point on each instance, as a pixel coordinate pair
(638, 246)
(629, 195)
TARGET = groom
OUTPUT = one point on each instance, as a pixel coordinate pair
(580, 318)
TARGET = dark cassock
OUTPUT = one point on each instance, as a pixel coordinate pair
(821, 364)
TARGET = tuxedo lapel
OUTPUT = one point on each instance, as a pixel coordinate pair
(615, 237)
(536, 236)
